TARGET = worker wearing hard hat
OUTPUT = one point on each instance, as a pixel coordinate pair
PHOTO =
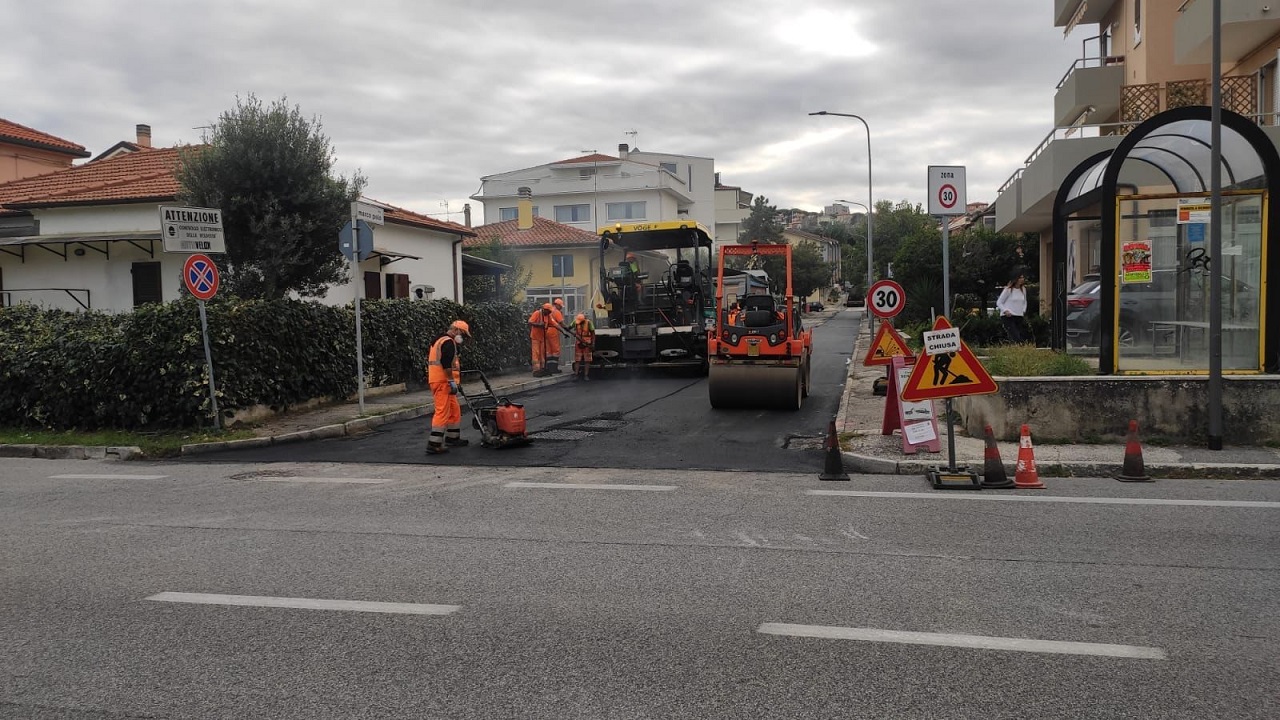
(539, 323)
(584, 335)
(554, 330)
(444, 373)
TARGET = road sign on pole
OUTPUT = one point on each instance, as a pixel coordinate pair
(886, 298)
(200, 276)
(368, 212)
(363, 245)
(191, 229)
(947, 190)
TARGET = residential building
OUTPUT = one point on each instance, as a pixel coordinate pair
(25, 152)
(975, 214)
(596, 190)
(828, 248)
(88, 237)
(563, 260)
(1145, 57)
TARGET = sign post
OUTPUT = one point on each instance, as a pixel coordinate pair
(947, 198)
(360, 213)
(201, 278)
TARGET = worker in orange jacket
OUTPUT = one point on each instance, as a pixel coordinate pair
(538, 329)
(553, 335)
(444, 374)
(584, 335)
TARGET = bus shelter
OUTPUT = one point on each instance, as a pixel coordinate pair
(1147, 204)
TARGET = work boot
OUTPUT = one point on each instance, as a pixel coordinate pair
(436, 449)
(457, 442)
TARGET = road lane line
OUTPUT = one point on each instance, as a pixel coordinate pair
(588, 486)
(1051, 499)
(107, 477)
(981, 642)
(305, 603)
(356, 481)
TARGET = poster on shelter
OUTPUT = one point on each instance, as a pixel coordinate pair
(1135, 262)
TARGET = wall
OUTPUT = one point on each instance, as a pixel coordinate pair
(17, 162)
(108, 280)
(1080, 409)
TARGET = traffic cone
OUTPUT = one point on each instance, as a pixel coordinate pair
(1026, 477)
(1134, 470)
(993, 472)
(833, 469)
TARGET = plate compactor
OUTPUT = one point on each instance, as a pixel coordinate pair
(500, 421)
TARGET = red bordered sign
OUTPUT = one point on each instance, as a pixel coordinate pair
(201, 276)
(886, 298)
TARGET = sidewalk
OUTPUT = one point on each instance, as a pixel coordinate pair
(868, 451)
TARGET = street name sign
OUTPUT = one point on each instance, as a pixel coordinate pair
(369, 213)
(191, 230)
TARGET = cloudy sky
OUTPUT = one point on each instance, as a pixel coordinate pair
(427, 96)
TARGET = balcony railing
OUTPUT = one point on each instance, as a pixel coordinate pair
(1091, 62)
(1141, 102)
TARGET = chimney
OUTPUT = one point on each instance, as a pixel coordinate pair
(466, 214)
(524, 209)
(623, 151)
(144, 135)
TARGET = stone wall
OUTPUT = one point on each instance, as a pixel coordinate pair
(1172, 409)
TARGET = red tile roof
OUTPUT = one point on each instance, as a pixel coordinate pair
(22, 135)
(595, 157)
(400, 216)
(544, 233)
(132, 177)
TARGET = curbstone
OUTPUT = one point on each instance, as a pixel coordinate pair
(18, 451)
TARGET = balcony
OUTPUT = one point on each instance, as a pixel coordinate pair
(1246, 25)
(1090, 83)
(1025, 201)
(1140, 102)
(1069, 13)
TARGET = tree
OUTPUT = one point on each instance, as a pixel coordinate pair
(761, 225)
(504, 288)
(270, 171)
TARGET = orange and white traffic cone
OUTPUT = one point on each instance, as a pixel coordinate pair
(1134, 469)
(993, 472)
(1026, 477)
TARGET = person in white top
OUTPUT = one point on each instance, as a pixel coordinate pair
(1013, 310)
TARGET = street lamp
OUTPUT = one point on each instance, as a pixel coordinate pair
(870, 201)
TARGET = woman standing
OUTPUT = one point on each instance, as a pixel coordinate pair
(1013, 310)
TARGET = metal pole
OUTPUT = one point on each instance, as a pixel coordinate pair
(208, 358)
(946, 312)
(355, 282)
(1215, 236)
(871, 203)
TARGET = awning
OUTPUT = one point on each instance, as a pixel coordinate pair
(473, 265)
(386, 257)
(98, 242)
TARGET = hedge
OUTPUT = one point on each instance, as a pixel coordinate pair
(146, 370)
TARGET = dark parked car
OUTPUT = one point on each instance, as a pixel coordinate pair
(1141, 305)
(815, 307)
(855, 301)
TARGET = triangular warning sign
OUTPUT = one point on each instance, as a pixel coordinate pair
(948, 374)
(886, 346)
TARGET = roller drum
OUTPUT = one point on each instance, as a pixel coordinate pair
(773, 387)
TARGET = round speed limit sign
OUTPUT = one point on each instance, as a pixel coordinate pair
(886, 299)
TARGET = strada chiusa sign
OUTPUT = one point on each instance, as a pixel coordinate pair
(192, 230)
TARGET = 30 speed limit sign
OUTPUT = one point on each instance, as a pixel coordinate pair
(886, 299)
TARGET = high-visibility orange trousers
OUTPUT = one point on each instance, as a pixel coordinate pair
(448, 413)
(537, 338)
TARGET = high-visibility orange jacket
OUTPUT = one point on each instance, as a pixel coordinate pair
(443, 362)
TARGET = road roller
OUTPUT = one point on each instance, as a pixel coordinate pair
(759, 353)
(655, 287)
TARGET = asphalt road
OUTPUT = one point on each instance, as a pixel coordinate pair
(636, 419)
(559, 599)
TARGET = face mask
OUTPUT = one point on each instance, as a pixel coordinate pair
(458, 339)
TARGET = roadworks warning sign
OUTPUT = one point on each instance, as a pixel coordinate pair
(887, 345)
(948, 374)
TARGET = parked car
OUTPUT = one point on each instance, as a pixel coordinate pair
(815, 307)
(855, 301)
(1141, 305)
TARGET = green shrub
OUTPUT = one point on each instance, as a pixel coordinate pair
(1027, 361)
(146, 369)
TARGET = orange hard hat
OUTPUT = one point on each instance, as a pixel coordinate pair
(462, 326)
(581, 318)
(557, 301)
(547, 307)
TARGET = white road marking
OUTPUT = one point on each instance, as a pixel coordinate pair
(305, 603)
(107, 477)
(356, 481)
(1049, 499)
(588, 486)
(851, 534)
(982, 642)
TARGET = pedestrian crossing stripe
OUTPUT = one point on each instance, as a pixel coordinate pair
(950, 374)
(886, 346)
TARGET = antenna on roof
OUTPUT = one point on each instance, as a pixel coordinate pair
(204, 136)
(635, 144)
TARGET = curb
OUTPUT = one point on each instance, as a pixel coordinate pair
(871, 465)
(72, 452)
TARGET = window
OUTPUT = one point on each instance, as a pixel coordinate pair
(1137, 22)
(573, 213)
(561, 266)
(397, 285)
(146, 283)
(584, 173)
(575, 298)
(625, 210)
(510, 213)
(669, 167)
